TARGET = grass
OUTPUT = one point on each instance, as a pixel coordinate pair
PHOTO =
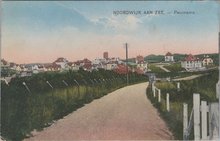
(155, 69)
(204, 85)
(175, 67)
(22, 112)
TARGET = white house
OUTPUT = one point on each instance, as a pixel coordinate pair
(207, 61)
(142, 65)
(191, 63)
(73, 66)
(111, 65)
(169, 57)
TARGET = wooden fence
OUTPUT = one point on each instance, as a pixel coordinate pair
(205, 120)
(157, 93)
(204, 117)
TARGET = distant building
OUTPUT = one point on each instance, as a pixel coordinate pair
(111, 65)
(169, 57)
(4, 64)
(139, 59)
(105, 55)
(62, 62)
(73, 66)
(141, 64)
(207, 60)
(52, 67)
(191, 63)
(86, 64)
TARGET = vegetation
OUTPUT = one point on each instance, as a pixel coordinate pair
(154, 58)
(205, 86)
(179, 57)
(175, 67)
(155, 69)
(24, 111)
(5, 72)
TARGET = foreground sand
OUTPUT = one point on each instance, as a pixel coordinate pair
(125, 114)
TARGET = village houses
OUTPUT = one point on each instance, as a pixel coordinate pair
(192, 63)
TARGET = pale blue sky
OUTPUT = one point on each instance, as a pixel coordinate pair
(43, 31)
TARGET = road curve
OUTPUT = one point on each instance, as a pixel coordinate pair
(125, 114)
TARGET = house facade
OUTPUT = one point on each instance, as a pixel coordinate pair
(207, 61)
(191, 63)
(169, 57)
(62, 62)
(141, 64)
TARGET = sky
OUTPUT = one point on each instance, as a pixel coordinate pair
(42, 31)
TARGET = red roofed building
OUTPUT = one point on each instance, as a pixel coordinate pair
(62, 62)
(52, 67)
(191, 63)
(86, 64)
(169, 57)
(139, 59)
(4, 63)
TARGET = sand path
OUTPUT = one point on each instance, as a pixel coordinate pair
(125, 114)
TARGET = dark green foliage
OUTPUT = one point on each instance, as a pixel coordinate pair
(21, 111)
(154, 58)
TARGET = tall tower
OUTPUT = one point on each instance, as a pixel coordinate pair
(105, 55)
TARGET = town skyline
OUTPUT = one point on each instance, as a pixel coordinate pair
(101, 57)
(43, 31)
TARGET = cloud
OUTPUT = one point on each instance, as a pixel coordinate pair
(120, 24)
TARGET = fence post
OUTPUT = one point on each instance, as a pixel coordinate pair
(159, 95)
(178, 86)
(204, 111)
(154, 90)
(185, 121)
(196, 109)
(168, 102)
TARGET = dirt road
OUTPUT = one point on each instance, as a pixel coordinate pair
(189, 77)
(125, 114)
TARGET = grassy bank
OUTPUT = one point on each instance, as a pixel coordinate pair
(205, 86)
(23, 111)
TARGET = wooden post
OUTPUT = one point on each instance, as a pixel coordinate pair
(204, 110)
(185, 121)
(168, 102)
(196, 109)
(154, 90)
(159, 95)
(178, 85)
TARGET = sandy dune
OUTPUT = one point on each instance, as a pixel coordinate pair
(125, 114)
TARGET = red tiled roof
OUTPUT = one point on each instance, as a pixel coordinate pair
(191, 57)
(53, 65)
(169, 54)
(12, 64)
(140, 58)
(61, 59)
(87, 66)
(4, 62)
